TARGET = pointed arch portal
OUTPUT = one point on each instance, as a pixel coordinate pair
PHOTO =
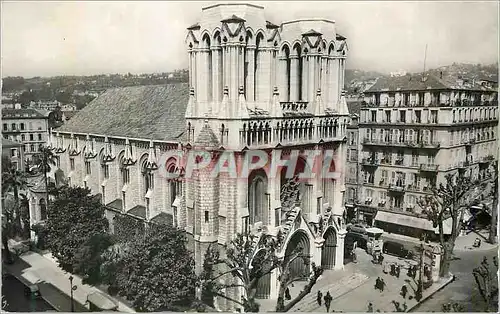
(329, 249)
(300, 267)
(264, 283)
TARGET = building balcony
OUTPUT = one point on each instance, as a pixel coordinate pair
(412, 144)
(396, 188)
(429, 167)
(486, 159)
(429, 144)
(370, 162)
(351, 180)
(11, 131)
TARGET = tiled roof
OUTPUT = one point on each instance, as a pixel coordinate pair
(163, 219)
(150, 112)
(139, 211)
(354, 106)
(116, 204)
(414, 82)
(407, 83)
(207, 138)
(9, 144)
(21, 113)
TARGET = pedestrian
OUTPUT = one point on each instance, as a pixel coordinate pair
(414, 272)
(381, 258)
(405, 307)
(393, 270)
(319, 297)
(382, 284)
(377, 283)
(328, 301)
(370, 307)
(404, 291)
(398, 270)
(287, 294)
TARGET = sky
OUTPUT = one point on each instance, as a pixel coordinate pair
(89, 37)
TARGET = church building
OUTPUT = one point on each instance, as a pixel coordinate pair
(253, 86)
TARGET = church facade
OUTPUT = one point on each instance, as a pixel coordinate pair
(254, 86)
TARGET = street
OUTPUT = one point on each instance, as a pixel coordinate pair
(464, 289)
(13, 293)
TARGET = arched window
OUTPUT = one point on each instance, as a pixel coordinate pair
(258, 68)
(43, 209)
(124, 171)
(258, 198)
(147, 177)
(104, 166)
(209, 66)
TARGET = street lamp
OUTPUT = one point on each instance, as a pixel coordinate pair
(73, 288)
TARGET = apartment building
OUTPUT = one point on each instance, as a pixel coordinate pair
(26, 126)
(353, 170)
(415, 129)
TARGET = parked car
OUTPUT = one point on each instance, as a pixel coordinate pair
(396, 249)
(32, 292)
(357, 228)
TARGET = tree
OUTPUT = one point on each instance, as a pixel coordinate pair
(74, 219)
(155, 271)
(448, 201)
(89, 257)
(14, 180)
(248, 259)
(487, 282)
(46, 160)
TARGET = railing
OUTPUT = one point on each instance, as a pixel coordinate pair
(433, 144)
(429, 167)
(370, 161)
(396, 188)
(294, 106)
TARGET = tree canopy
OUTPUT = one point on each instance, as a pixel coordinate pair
(77, 230)
(155, 271)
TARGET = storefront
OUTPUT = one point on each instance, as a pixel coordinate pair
(366, 214)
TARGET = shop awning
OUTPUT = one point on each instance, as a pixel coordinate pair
(404, 220)
(101, 301)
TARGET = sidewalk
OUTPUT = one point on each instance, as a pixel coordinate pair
(465, 242)
(355, 289)
(54, 283)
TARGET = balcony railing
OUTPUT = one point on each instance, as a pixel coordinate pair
(486, 159)
(429, 167)
(370, 161)
(294, 106)
(396, 188)
(378, 142)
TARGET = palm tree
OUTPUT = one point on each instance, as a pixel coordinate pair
(14, 180)
(46, 159)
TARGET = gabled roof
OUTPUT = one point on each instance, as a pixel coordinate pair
(138, 211)
(150, 112)
(340, 37)
(116, 204)
(271, 25)
(194, 26)
(163, 219)
(312, 32)
(233, 19)
(206, 138)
